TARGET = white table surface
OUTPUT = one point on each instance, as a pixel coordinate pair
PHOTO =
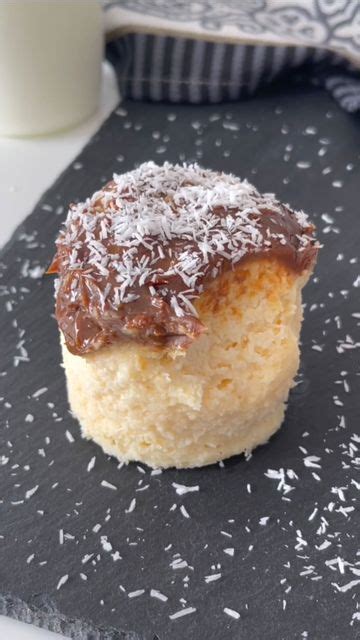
(28, 167)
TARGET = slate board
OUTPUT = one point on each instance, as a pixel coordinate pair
(280, 528)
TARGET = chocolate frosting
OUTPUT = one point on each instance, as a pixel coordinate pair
(133, 258)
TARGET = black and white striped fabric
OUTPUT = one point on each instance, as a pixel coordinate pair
(160, 67)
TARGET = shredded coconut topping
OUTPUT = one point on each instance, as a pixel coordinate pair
(167, 229)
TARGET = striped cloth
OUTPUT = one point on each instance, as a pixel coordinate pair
(159, 59)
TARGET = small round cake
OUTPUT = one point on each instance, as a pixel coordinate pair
(178, 300)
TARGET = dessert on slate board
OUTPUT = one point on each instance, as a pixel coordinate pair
(178, 300)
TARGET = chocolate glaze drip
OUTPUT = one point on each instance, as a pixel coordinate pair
(157, 307)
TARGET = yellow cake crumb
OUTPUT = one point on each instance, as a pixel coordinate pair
(225, 395)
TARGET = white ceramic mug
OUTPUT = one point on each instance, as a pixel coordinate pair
(50, 64)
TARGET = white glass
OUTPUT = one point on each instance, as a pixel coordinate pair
(50, 64)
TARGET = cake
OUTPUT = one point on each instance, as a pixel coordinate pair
(178, 300)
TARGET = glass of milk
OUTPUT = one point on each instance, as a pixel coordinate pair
(50, 64)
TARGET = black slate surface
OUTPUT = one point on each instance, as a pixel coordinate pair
(279, 531)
